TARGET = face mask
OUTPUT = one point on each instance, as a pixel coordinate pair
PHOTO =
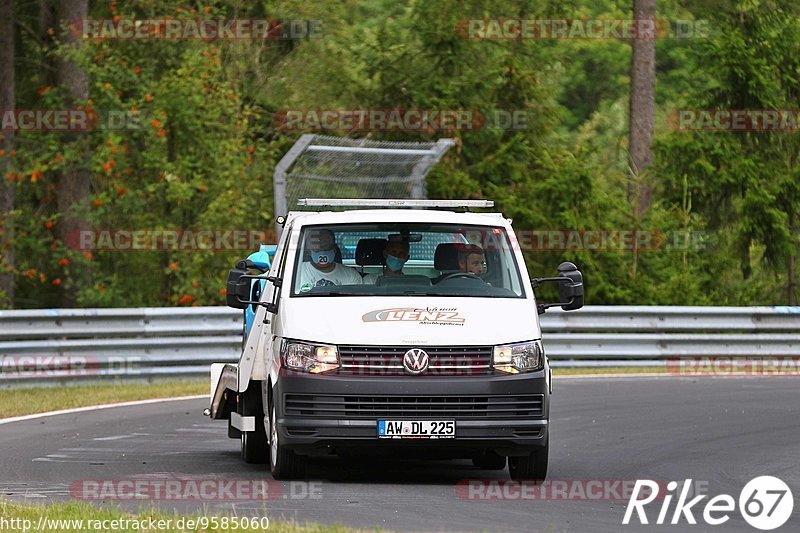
(324, 257)
(395, 263)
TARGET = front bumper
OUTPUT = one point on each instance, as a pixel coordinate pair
(324, 430)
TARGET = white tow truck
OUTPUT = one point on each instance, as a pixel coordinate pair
(344, 351)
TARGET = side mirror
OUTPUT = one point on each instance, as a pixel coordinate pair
(570, 292)
(238, 289)
(570, 288)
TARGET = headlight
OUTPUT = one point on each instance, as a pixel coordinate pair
(520, 357)
(313, 358)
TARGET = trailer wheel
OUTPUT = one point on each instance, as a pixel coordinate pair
(532, 466)
(283, 463)
(254, 443)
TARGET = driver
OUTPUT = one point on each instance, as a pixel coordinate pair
(323, 270)
(471, 259)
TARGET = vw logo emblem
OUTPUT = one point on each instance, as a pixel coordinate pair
(416, 361)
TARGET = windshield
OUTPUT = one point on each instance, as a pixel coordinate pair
(399, 259)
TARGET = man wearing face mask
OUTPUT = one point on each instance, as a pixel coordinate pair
(395, 256)
(323, 270)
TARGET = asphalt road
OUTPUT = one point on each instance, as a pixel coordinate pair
(719, 432)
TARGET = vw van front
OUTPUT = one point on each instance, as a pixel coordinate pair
(441, 357)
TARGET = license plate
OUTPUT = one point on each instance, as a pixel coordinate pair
(416, 429)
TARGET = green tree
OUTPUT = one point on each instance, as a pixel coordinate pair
(745, 184)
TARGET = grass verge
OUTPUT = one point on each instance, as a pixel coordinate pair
(75, 517)
(26, 401)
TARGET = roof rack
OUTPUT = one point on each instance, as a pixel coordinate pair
(389, 202)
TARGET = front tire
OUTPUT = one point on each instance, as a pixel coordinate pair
(530, 467)
(283, 463)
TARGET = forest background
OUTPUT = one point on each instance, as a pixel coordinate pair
(203, 154)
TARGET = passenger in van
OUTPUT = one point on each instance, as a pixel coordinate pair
(395, 255)
(323, 270)
(471, 259)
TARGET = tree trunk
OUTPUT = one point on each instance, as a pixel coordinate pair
(73, 182)
(7, 101)
(642, 103)
(47, 21)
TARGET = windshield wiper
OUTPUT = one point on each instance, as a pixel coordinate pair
(329, 293)
(412, 293)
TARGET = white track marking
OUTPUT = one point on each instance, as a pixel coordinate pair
(95, 408)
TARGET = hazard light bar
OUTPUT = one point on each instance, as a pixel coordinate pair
(388, 202)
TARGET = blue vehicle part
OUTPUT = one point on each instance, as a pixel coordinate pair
(262, 259)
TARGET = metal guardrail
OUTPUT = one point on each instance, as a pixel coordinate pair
(63, 345)
(129, 322)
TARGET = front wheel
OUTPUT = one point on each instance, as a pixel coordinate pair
(283, 463)
(532, 466)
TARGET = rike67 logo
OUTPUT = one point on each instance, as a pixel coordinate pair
(765, 503)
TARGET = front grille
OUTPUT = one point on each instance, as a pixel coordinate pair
(345, 407)
(388, 360)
